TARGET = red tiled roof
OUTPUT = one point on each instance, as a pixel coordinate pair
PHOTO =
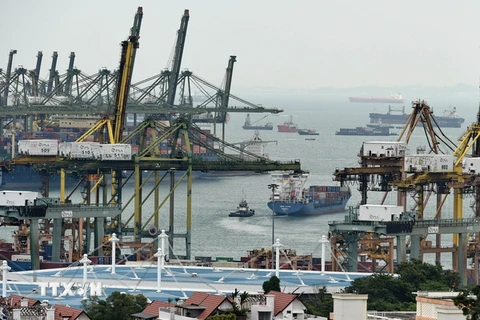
(282, 300)
(61, 312)
(14, 300)
(211, 303)
(153, 307)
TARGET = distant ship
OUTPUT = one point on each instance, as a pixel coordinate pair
(308, 132)
(449, 118)
(288, 126)
(292, 198)
(251, 126)
(396, 98)
(366, 131)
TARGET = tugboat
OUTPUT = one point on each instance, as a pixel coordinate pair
(242, 210)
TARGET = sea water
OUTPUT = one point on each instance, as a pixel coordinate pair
(214, 234)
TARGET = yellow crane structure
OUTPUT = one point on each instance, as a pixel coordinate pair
(422, 182)
(163, 146)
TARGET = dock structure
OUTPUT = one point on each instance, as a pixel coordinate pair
(445, 170)
(387, 240)
(170, 143)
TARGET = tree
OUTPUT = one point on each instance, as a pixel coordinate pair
(469, 301)
(238, 306)
(117, 306)
(427, 277)
(272, 284)
(319, 304)
(385, 292)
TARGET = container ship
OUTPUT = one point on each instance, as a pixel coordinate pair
(449, 118)
(365, 131)
(396, 98)
(292, 198)
(288, 126)
(248, 125)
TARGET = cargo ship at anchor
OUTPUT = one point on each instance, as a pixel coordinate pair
(449, 118)
(292, 198)
(396, 98)
(248, 125)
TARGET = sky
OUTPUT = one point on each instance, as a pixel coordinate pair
(301, 44)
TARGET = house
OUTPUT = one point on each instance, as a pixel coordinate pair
(152, 310)
(201, 305)
(18, 307)
(278, 305)
(68, 313)
(437, 306)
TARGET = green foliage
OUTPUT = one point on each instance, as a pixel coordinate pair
(469, 301)
(320, 304)
(272, 284)
(425, 276)
(228, 316)
(389, 293)
(117, 306)
(384, 292)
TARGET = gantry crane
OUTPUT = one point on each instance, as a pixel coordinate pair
(393, 173)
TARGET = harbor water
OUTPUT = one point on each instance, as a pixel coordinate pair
(214, 234)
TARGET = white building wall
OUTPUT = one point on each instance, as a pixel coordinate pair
(350, 306)
(260, 308)
(293, 311)
(449, 313)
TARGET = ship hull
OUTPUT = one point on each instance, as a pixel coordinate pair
(314, 201)
(360, 131)
(303, 133)
(284, 128)
(305, 209)
(376, 100)
(443, 122)
(257, 127)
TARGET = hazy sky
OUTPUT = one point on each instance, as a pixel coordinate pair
(285, 44)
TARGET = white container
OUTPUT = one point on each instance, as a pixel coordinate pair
(84, 150)
(471, 165)
(117, 151)
(39, 147)
(384, 149)
(17, 198)
(428, 163)
(377, 212)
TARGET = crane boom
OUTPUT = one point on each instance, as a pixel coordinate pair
(125, 72)
(7, 77)
(53, 70)
(177, 58)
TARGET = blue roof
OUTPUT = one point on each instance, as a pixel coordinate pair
(176, 281)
